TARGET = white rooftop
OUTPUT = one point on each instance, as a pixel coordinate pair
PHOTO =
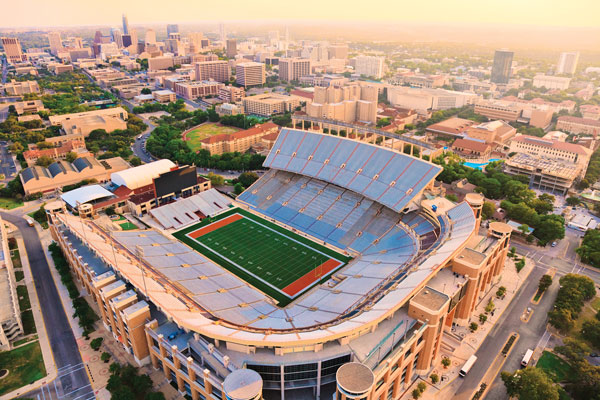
(141, 175)
(85, 194)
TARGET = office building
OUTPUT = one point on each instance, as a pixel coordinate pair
(240, 141)
(218, 70)
(150, 37)
(231, 51)
(172, 28)
(358, 326)
(13, 51)
(292, 69)
(502, 66)
(567, 63)
(350, 103)
(29, 107)
(231, 94)
(164, 96)
(426, 100)
(269, 104)
(228, 109)
(369, 66)
(75, 146)
(493, 132)
(338, 51)
(117, 37)
(193, 90)
(55, 43)
(546, 174)
(14, 88)
(578, 125)
(161, 62)
(551, 82)
(250, 74)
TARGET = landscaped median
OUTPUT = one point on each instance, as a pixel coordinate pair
(545, 282)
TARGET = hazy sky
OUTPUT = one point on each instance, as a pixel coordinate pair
(581, 13)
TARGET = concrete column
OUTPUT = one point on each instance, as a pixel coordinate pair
(281, 371)
(319, 380)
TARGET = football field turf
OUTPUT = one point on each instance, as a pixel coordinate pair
(276, 261)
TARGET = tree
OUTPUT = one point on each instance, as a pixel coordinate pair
(488, 210)
(216, 180)
(590, 247)
(482, 318)
(422, 386)
(524, 229)
(520, 265)
(96, 343)
(146, 91)
(550, 227)
(71, 156)
(490, 306)
(135, 161)
(452, 197)
(590, 330)
(416, 394)
(212, 115)
(530, 384)
(105, 357)
(501, 291)
(545, 282)
(110, 210)
(434, 378)
(512, 252)
(238, 188)
(573, 201)
(446, 362)
(474, 326)
(44, 161)
(247, 178)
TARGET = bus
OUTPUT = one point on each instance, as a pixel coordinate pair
(526, 358)
(467, 367)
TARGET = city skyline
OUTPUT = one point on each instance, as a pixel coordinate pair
(514, 12)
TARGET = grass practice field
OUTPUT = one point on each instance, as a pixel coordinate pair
(203, 131)
(276, 261)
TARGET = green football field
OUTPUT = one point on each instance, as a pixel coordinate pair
(276, 261)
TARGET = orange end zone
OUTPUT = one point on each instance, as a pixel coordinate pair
(214, 226)
(316, 274)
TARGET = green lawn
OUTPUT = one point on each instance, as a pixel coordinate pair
(25, 364)
(127, 226)
(25, 340)
(28, 322)
(203, 131)
(557, 368)
(255, 249)
(10, 203)
(16, 259)
(24, 303)
(19, 276)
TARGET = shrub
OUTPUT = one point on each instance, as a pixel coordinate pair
(520, 265)
(434, 378)
(545, 282)
(416, 394)
(482, 318)
(446, 362)
(422, 386)
(501, 291)
(490, 306)
(105, 357)
(473, 327)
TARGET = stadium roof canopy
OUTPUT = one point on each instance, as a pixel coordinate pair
(142, 175)
(85, 194)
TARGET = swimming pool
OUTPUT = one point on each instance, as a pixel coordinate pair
(480, 166)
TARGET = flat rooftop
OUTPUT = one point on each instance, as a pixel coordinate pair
(430, 299)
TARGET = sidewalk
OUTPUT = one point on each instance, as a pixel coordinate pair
(448, 385)
(51, 369)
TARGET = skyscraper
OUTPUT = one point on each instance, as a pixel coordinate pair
(231, 48)
(117, 37)
(502, 66)
(55, 42)
(150, 36)
(222, 33)
(567, 63)
(125, 25)
(172, 28)
(12, 48)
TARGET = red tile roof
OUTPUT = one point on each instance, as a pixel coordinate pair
(555, 144)
(577, 120)
(471, 145)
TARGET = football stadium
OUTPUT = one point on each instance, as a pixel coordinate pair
(340, 272)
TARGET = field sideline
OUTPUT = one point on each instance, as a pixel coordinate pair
(280, 263)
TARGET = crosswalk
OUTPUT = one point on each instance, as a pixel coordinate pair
(63, 388)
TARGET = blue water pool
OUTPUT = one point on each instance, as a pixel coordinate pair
(480, 166)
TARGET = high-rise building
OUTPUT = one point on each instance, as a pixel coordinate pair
(369, 66)
(339, 51)
(222, 33)
(117, 37)
(125, 25)
(126, 39)
(195, 38)
(250, 74)
(216, 70)
(502, 66)
(172, 28)
(150, 36)
(292, 69)
(55, 42)
(231, 48)
(567, 63)
(12, 48)
(273, 36)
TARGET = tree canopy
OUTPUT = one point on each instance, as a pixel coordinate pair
(530, 384)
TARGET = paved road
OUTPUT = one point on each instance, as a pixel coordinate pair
(510, 322)
(72, 381)
(139, 146)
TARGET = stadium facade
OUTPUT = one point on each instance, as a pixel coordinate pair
(418, 266)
